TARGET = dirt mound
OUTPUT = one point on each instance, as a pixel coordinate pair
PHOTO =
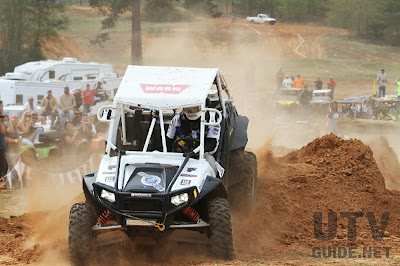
(14, 241)
(329, 174)
(65, 46)
(387, 161)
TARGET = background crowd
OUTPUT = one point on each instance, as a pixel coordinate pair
(63, 122)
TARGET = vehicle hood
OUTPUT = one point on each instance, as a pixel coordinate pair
(153, 174)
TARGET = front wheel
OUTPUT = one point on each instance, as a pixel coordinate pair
(272, 22)
(80, 237)
(221, 239)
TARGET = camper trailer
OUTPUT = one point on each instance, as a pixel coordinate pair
(34, 79)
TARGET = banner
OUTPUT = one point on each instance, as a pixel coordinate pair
(67, 177)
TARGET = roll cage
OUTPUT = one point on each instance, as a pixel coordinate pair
(129, 123)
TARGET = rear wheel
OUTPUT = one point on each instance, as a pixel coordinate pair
(243, 171)
(221, 240)
(80, 237)
(252, 21)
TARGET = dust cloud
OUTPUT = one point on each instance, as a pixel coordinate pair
(249, 58)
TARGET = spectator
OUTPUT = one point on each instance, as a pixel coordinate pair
(35, 120)
(31, 107)
(78, 98)
(305, 99)
(26, 127)
(298, 82)
(333, 116)
(70, 135)
(366, 110)
(78, 123)
(13, 141)
(331, 86)
(91, 127)
(318, 84)
(87, 96)
(49, 107)
(74, 139)
(67, 104)
(279, 78)
(97, 96)
(382, 79)
(3, 127)
(287, 83)
(77, 119)
(397, 83)
(393, 112)
(345, 110)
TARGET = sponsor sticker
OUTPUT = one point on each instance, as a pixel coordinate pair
(110, 167)
(188, 175)
(141, 195)
(191, 169)
(151, 181)
(109, 178)
(109, 173)
(163, 88)
(185, 182)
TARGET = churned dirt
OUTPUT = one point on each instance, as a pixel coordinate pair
(327, 175)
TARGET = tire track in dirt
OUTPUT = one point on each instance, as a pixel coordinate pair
(297, 48)
(256, 31)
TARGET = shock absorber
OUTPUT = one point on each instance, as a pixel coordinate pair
(105, 217)
(192, 214)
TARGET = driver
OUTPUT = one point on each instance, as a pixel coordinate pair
(187, 124)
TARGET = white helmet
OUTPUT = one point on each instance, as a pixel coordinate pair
(192, 113)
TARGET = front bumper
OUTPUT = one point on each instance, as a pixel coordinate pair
(155, 207)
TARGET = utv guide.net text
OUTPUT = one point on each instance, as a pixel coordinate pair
(377, 232)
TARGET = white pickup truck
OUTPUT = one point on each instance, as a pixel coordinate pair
(261, 19)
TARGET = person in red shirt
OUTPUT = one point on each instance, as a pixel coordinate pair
(88, 98)
(331, 86)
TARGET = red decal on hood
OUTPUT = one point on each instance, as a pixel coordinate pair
(163, 88)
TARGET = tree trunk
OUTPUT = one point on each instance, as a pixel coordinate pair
(136, 45)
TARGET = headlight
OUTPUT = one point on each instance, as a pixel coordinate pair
(180, 199)
(107, 195)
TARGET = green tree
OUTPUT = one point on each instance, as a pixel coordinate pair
(161, 11)
(46, 20)
(207, 6)
(112, 10)
(25, 27)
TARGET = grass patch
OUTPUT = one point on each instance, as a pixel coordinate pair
(340, 68)
(80, 24)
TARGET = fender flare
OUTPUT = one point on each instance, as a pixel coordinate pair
(213, 186)
(88, 180)
(239, 138)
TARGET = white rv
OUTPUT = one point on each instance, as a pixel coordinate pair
(34, 79)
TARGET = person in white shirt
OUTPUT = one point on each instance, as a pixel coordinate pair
(31, 107)
(287, 83)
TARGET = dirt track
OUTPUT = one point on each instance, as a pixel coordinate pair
(328, 174)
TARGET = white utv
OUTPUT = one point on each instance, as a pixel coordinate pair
(143, 190)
